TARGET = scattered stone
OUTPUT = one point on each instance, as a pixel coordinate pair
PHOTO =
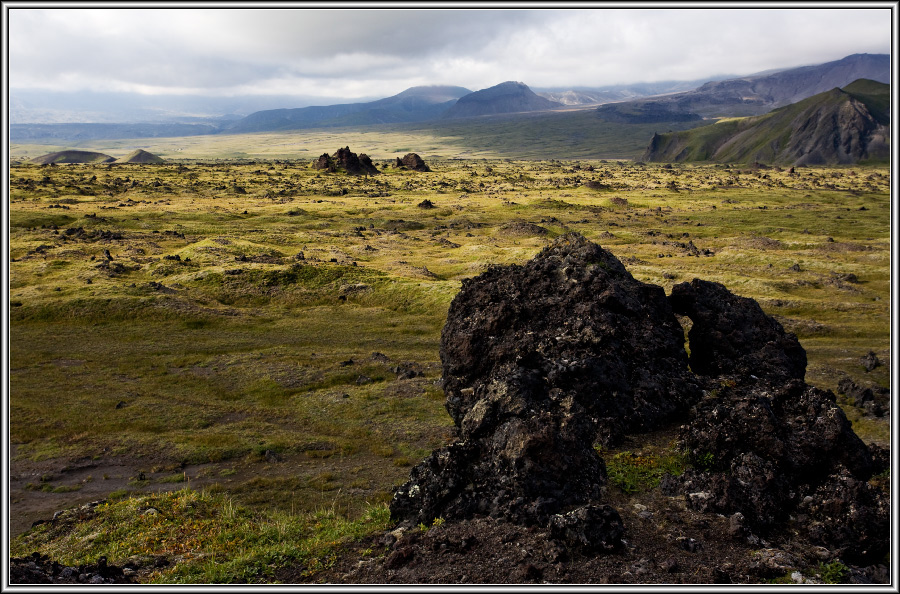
(870, 361)
(590, 528)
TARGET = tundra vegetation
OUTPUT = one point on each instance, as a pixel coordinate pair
(253, 344)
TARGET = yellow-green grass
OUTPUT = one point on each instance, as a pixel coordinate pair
(221, 345)
(207, 537)
(573, 134)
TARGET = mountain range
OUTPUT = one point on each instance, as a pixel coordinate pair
(839, 126)
(755, 95)
(415, 104)
(438, 105)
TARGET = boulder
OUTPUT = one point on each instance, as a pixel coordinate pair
(732, 336)
(540, 362)
(412, 161)
(348, 161)
(325, 162)
(770, 456)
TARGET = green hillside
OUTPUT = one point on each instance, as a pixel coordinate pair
(840, 126)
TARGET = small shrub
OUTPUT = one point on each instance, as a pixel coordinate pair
(834, 572)
(634, 473)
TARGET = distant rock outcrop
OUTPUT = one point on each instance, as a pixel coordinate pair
(507, 97)
(840, 126)
(140, 156)
(411, 161)
(544, 360)
(63, 157)
(346, 160)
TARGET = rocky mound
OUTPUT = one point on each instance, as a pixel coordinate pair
(39, 569)
(65, 157)
(540, 363)
(522, 228)
(346, 160)
(544, 360)
(411, 161)
(732, 336)
(141, 156)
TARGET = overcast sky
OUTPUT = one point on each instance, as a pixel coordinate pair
(380, 52)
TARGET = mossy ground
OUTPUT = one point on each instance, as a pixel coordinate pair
(206, 342)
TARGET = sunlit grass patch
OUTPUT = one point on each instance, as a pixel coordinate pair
(208, 538)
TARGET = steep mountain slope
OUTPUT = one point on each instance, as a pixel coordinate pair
(755, 95)
(412, 105)
(62, 157)
(839, 126)
(507, 97)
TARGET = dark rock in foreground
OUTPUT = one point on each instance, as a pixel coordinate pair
(541, 362)
(544, 360)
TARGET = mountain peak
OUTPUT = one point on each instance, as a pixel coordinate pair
(506, 97)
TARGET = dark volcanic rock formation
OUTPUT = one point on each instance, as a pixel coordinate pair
(325, 162)
(346, 160)
(542, 361)
(571, 321)
(412, 161)
(793, 452)
(732, 335)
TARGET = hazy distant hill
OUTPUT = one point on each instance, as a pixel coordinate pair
(62, 157)
(623, 92)
(415, 104)
(141, 156)
(840, 126)
(507, 97)
(755, 95)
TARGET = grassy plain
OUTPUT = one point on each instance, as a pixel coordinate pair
(574, 134)
(272, 332)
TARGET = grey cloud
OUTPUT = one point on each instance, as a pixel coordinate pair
(378, 51)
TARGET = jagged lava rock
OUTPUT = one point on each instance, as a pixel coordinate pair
(773, 455)
(325, 162)
(347, 160)
(540, 362)
(732, 336)
(570, 322)
(412, 161)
